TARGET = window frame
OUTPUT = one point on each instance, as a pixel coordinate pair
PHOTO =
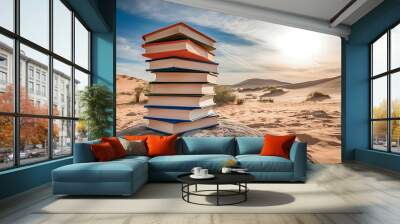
(388, 74)
(16, 114)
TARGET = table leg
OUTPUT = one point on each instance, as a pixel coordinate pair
(245, 193)
(195, 188)
(217, 194)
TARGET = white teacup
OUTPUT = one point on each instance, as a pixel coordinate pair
(196, 171)
(203, 172)
(226, 170)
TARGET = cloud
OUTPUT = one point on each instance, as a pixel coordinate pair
(275, 51)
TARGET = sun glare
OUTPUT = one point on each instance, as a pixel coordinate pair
(299, 47)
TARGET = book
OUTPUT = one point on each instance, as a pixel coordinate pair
(183, 63)
(176, 127)
(179, 31)
(185, 77)
(198, 101)
(178, 48)
(178, 114)
(181, 88)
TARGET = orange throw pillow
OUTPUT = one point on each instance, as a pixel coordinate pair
(277, 145)
(116, 145)
(161, 145)
(103, 152)
(136, 137)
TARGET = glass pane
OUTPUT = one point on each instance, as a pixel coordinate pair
(6, 74)
(35, 21)
(379, 135)
(395, 47)
(62, 29)
(81, 81)
(33, 139)
(81, 131)
(379, 97)
(395, 136)
(62, 138)
(395, 94)
(81, 45)
(7, 14)
(62, 89)
(34, 97)
(379, 56)
(6, 142)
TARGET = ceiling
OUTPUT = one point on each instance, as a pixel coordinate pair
(326, 16)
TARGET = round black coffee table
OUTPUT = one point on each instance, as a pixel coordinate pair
(238, 179)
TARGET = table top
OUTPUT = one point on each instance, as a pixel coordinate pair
(220, 178)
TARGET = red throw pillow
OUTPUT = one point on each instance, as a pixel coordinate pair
(161, 145)
(116, 145)
(103, 152)
(277, 145)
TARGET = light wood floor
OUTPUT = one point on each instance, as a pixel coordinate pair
(379, 189)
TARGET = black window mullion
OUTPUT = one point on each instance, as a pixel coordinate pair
(16, 69)
(389, 100)
(50, 79)
(73, 81)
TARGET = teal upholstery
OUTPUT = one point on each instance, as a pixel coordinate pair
(185, 163)
(257, 163)
(118, 177)
(249, 145)
(125, 176)
(83, 152)
(206, 145)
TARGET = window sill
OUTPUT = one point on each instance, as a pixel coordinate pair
(30, 166)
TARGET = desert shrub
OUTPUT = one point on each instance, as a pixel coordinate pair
(250, 89)
(223, 95)
(138, 91)
(126, 93)
(317, 96)
(240, 101)
(265, 100)
(269, 88)
(131, 78)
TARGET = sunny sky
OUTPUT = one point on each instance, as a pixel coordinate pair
(246, 48)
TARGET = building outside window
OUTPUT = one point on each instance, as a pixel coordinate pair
(34, 75)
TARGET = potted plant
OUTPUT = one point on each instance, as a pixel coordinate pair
(96, 103)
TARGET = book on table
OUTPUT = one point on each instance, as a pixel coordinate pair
(177, 48)
(181, 88)
(176, 127)
(179, 31)
(186, 101)
(179, 113)
(182, 63)
(185, 77)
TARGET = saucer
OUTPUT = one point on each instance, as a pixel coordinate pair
(208, 176)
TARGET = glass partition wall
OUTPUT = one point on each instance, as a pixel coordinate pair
(44, 64)
(385, 91)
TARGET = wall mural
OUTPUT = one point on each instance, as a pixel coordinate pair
(204, 73)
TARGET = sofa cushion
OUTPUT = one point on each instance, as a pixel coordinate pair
(116, 145)
(185, 163)
(161, 145)
(249, 145)
(103, 152)
(112, 171)
(206, 145)
(257, 163)
(277, 145)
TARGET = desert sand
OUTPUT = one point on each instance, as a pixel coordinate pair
(315, 121)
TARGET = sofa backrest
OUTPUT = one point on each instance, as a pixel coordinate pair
(206, 145)
(249, 145)
(83, 152)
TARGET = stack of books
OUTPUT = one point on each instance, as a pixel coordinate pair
(181, 97)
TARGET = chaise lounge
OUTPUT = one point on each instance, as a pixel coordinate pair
(125, 176)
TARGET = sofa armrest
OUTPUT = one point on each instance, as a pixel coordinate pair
(83, 152)
(298, 155)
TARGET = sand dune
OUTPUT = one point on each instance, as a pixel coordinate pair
(317, 123)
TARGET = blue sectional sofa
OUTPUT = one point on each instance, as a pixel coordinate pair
(125, 176)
